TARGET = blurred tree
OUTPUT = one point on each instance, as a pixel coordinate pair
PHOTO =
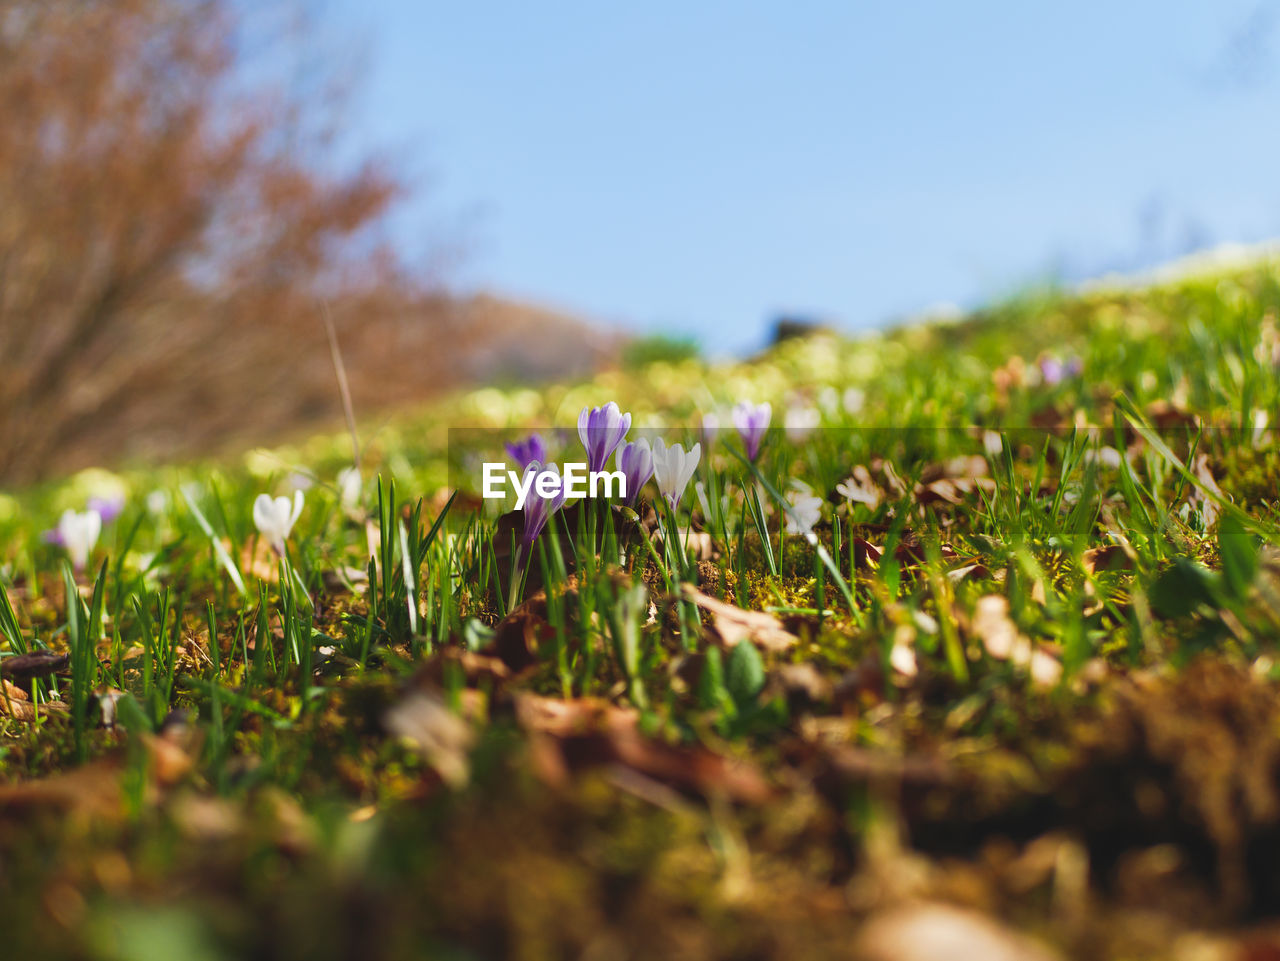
(164, 241)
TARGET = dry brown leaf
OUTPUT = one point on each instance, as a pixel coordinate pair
(733, 624)
(93, 789)
(964, 467)
(802, 684)
(1050, 418)
(443, 738)
(477, 668)
(517, 639)
(551, 715)
(18, 706)
(1208, 487)
(943, 490)
(1165, 415)
(888, 477)
(587, 733)
(1109, 557)
(24, 668)
(1002, 640)
(171, 760)
(902, 658)
(911, 551)
(992, 625)
(951, 481)
(206, 818)
(19, 710)
(866, 554)
(692, 768)
(969, 572)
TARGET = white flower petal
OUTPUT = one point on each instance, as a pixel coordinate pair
(263, 513)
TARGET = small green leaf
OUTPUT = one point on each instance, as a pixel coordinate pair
(1239, 554)
(476, 634)
(711, 689)
(1184, 587)
(744, 674)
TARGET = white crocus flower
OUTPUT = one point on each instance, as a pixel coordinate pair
(78, 532)
(350, 487)
(1103, 456)
(806, 510)
(299, 480)
(157, 501)
(799, 422)
(275, 517)
(673, 468)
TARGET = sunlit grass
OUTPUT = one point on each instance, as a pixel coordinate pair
(949, 537)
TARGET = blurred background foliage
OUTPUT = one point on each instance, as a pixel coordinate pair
(173, 228)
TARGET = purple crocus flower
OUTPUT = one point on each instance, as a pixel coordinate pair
(602, 430)
(1075, 367)
(537, 511)
(709, 428)
(1051, 371)
(108, 508)
(752, 420)
(537, 508)
(635, 460)
(531, 450)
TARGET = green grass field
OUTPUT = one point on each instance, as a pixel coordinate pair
(1000, 677)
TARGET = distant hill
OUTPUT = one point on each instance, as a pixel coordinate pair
(529, 343)
(277, 381)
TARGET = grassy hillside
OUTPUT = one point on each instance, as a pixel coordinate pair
(975, 658)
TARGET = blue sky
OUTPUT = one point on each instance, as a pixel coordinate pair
(702, 167)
